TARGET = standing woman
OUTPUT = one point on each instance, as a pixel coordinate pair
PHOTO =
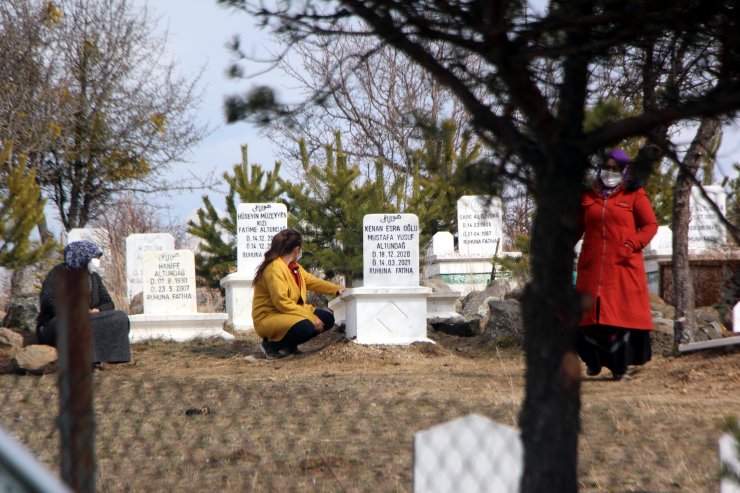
(280, 313)
(617, 222)
(109, 327)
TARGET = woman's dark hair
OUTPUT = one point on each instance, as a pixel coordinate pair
(282, 243)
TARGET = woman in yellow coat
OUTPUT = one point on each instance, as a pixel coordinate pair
(279, 310)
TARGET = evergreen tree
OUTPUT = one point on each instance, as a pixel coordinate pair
(329, 208)
(217, 254)
(438, 180)
(21, 210)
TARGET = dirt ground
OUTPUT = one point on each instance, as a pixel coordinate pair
(214, 415)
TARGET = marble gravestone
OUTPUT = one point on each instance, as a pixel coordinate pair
(472, 454)
(256, 224)
(391, 306)
(479, 238)
(706, 232)
(170, 301)
(136, 246)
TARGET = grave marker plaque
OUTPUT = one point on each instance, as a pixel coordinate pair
(390, 248)
(706, 232)
(479, 225)
(169, 279)
(136, 245)
(256, 224)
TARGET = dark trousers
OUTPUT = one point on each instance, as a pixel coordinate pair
(304, 331)
(612, 347)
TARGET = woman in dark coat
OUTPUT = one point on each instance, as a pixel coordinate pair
(110, 327)
(617, 222)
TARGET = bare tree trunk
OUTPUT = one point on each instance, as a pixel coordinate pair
(549, 419)
(684, 322)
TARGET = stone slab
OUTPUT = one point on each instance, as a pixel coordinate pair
(390, 250)
(713, 343)
(179, 328)
(169, 282)
(392, 315)
(136, 245)
(239, 293)
(256, 224)
(479, 225)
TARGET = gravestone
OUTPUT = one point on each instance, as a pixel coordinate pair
(479, 238)
(391, 306)
(658, 250)
(170, 300)
(706, 232)
(472, 454)
(136, 246)
(736, 317)
(256, 224)
(479, 225)
(390, 249)
(729, 460)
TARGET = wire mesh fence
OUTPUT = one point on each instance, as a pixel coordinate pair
(184, 431)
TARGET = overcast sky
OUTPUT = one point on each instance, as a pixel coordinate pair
(198, 34)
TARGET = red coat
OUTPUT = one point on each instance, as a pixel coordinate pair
(610, 273)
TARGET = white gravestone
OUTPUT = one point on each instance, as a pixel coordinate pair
(729, 459)
(171, 301)
(736, 318)
(136, 246)
(169, 282)
(391, 306)
(479, 238)
(390, 248)
(256, 224)
(479, 225)
(472, 454)
(443, 243)
(706, 232)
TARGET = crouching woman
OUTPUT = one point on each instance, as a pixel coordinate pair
(281, 315)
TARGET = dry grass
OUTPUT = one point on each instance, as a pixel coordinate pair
(342, 416)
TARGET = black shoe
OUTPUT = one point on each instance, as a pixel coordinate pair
(293, 350)
(593, 371)
(269, 350)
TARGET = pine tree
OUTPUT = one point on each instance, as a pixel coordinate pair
(438, 180)
(21, 210)
(217, 255)
(329, 208)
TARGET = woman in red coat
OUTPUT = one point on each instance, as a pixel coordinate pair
(617, 222)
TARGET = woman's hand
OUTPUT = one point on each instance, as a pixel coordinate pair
(340, 291)
(94, 310)
(319, 325)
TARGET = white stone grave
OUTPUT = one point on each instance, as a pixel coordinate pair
(736, 318)
(171, 301)
(256, 224)
(391, 306)
(136, 245)
(728, 457)
(99, 236)
(706, 232)
(658, 250)
(472, 454)
(480, 238)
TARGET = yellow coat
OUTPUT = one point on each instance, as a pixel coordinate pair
(275, 307)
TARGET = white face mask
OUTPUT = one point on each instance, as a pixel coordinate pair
(93, 265)
(610, 178)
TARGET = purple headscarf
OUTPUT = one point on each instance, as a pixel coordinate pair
(78, 253)
(623, 160)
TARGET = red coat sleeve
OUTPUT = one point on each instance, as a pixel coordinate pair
(647, 225)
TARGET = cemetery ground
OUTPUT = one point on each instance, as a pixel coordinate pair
(199, 416)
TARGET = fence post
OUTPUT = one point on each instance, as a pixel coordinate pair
(76, 416)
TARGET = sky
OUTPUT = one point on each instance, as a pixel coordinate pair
(198, 34)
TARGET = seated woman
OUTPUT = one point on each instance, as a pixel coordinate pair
(109, 327)
(280, 313)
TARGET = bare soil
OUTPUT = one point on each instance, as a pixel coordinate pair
(214, 415)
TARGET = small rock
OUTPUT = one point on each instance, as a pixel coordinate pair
(10, 339)
(36, 359)
(251, 359)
